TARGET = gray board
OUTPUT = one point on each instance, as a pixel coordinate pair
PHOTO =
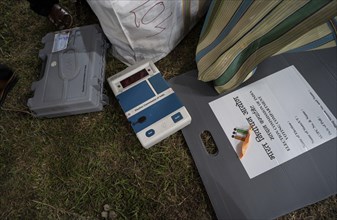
(299, 182)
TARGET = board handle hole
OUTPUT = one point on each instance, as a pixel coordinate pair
(209, 143)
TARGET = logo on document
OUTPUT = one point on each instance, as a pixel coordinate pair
(242, 135)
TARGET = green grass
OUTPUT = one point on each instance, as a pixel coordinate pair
(68, 168)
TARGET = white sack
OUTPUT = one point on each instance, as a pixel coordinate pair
(146, 29)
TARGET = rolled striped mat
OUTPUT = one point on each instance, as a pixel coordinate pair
(238, 35)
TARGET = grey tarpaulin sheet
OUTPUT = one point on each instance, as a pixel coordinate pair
(299, 182)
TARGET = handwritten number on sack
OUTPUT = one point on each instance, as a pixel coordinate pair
(153, 14)
(150, 19)
(160, 27)
(137, 23)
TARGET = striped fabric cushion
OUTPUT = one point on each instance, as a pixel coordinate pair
(238, 35)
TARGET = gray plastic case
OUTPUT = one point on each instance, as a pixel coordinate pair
(294, 184)
(72, 74)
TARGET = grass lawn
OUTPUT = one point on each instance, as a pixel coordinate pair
(69, 167)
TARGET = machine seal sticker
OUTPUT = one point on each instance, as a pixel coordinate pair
(60, 41)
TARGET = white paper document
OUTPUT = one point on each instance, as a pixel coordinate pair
(285, 114)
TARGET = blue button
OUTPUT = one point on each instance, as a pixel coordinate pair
(177, 117)
(150, 133)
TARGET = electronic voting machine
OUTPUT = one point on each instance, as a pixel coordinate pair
(149, 103)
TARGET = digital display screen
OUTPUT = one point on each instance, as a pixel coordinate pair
(134, 78)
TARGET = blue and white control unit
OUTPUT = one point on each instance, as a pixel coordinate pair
(149, 103)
